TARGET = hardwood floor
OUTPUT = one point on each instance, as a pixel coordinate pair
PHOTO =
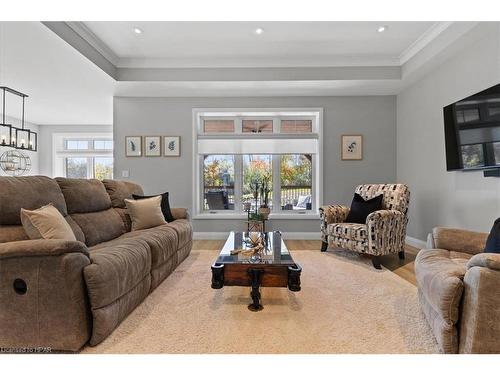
(402, 268)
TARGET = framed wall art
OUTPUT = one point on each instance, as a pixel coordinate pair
(133, 145)
(352, 147)
(152, 145)
(171, 146)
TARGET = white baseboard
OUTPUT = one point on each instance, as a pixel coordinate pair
(415, 242)
(286, 235)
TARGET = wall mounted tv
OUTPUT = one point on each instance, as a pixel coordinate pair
(472, 132)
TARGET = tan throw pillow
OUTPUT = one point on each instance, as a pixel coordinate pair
(46, 222)
(145, 213)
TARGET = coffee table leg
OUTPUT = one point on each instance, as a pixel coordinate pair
(294, 277)
(256, 275)
(217, 276)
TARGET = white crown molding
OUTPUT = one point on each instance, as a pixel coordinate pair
(94, 41)
(276, 62)
(428, 36)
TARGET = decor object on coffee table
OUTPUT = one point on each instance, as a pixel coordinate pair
(383, 232)
(133, 146)
(274, 267)
(458, 291)
(171, 146)
(352, 147)
(152, 146)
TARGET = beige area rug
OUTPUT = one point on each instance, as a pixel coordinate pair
(345, 306)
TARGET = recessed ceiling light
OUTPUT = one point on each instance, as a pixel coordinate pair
(137, 30)
(381, 29)
(259, 31)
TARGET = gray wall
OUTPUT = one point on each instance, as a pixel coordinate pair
(440, 198)
(374, 117)
(46, 133)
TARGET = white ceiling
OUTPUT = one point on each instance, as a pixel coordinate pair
(223, 44)
(63, 86)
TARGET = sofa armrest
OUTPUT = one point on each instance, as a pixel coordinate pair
(382, 224)
(480, 318)
(41, 247)
(331, 214)
(180, 213)
(461, 240)
(488, 260)
(43, 298)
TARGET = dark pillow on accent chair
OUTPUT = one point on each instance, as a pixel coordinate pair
(360, 208)
(493, 241)
(165, 205)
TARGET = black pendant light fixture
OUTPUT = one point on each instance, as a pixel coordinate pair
(10, 136)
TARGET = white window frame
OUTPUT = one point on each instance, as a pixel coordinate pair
(276, 114)
(60, 154)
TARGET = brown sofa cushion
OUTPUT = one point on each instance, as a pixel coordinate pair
(184, 231)
(439, 276)
(120, 190)
(10, 233)
(117, 281)
(29, 192)
(459, 240)
(84, 195)
(162, 241)
(100, 226)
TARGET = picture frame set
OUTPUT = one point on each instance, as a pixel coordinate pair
(351, 147)
(152, 146)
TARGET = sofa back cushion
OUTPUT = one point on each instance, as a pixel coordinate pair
(396, 196)
(118, 191)
(100, 226)
(84, 196)
(89, 205)
(30, 192)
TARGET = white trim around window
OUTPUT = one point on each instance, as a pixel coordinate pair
(238, 143)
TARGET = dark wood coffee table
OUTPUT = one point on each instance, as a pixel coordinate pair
(274, 268)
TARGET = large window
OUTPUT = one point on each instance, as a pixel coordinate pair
(237, 151)
(83, 156)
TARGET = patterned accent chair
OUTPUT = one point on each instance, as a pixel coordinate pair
(384, 231)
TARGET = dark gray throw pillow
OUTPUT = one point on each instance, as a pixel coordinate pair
(493, 241)
(360, 208)
(165, 205)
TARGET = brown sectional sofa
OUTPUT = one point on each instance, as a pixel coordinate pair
(64, 294)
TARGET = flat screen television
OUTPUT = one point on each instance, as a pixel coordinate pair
(472, 131)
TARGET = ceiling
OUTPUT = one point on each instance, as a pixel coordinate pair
(72, 70)
(63, 87)
(236, 44)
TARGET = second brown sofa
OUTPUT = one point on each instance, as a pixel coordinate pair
(63, 294)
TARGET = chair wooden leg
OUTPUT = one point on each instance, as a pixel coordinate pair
(401, 255)
(376, 262)
(324, 245)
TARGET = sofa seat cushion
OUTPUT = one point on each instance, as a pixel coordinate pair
(350, 231)
(116, 269)
(162, 242)
(184, 231)
(440, 276)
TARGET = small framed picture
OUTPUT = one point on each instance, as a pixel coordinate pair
(133, 145)
(152, 145)
(171, 146)
(352, 147)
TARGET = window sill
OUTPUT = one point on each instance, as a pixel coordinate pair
(239, 216)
